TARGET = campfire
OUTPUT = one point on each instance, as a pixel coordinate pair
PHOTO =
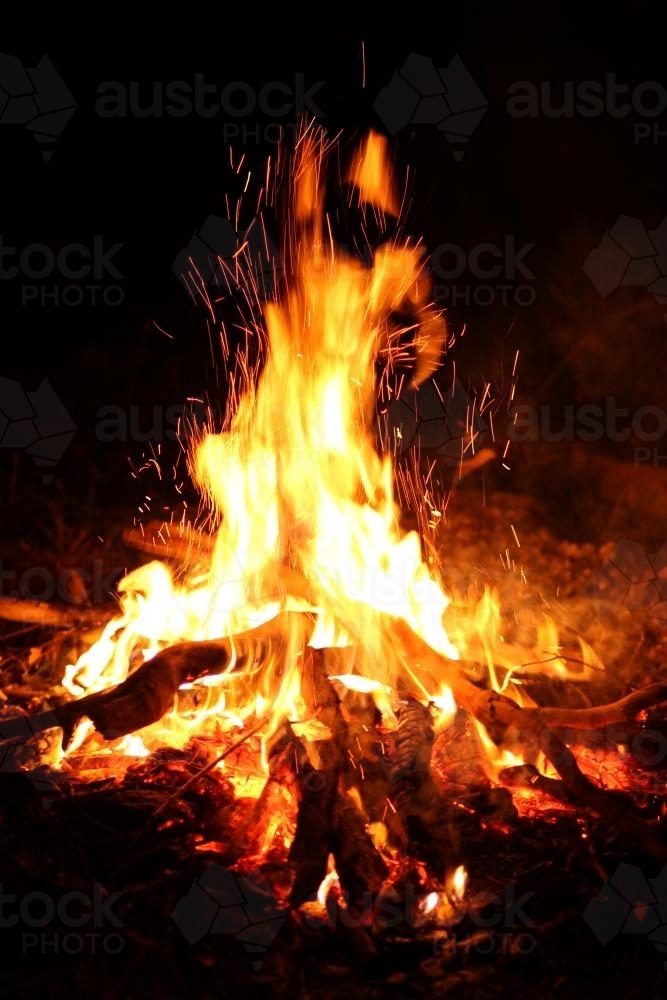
(302, 648)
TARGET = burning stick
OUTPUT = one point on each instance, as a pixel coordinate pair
(170, 542)
(309, 853)
(280, 791)
(624, 710)
(498, 713)
(15, 609)
(148, 693)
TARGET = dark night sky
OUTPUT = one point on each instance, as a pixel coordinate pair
(149, 183)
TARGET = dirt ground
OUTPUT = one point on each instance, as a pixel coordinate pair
(533, 871)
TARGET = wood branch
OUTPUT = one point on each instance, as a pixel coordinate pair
(170, 541)
(148, 693)
(16, 609)
(497, 713)
(624, 710)
(359, 864)
(311, 846)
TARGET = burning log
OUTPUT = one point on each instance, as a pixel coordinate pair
(324, 825)
(412, 791)
(16, 609)
(499, 713)
(164, 541)
(359, 865)
(148, 693)
(279, 792)
(624, 710)
(312, 844)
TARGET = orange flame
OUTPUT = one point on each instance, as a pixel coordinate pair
(304, 502)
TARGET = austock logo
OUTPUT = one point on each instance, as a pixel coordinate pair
(73, 261)
(486, 263)
(220, 259)
(432, 420)
(631, 255)
(237, 100)
(47, 916)
(222, 902)
(421, 94)
(629, 903)
(35, 421)
(591, 99)
(632, 580)
(246, 907)
(36, 98)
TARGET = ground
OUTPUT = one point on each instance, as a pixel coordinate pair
(529, 922)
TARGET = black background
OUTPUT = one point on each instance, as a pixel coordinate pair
(149, 183)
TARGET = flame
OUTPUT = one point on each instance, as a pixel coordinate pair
(328, 883)
(444, 907)
(458, 883)
(302, 501)
(306, 514)
(430, 902)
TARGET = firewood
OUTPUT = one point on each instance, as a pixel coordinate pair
(280, 790)
(311, 847)
(412, 744)
(170, 541)
(148, 693)
(418, 819)
(17, 609)
(625, 710)
(312, 843)
(498, 712)
(360, 868)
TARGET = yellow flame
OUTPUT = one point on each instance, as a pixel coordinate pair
(329, 882)
(458, 883)
(303, 503)
(430, 902)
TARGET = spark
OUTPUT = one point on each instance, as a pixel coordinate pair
(163, 332)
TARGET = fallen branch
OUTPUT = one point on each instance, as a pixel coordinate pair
(148, 693)
(16, 609)
(170, 541)
(624, 710)
(499, 713)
